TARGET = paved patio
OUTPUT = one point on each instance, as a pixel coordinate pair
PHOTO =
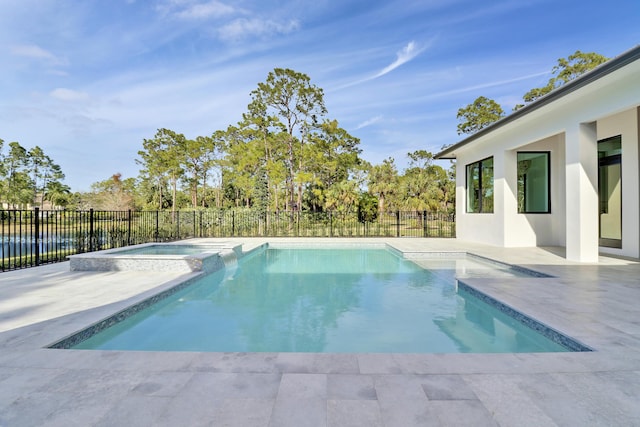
(594, 303)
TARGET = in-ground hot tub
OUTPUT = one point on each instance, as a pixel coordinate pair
(186, 257)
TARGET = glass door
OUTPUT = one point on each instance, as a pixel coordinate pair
(610, 191)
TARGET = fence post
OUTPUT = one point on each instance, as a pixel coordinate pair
(129, 227)
(178, 226)
(424, 224)
(330, 224)
(36, 225)
(397, 223)
(452, 227)
(157, 232)
(91, 231)
(233, 223)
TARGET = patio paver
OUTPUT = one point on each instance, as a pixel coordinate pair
(594, 303)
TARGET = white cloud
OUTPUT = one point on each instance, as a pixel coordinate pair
(239, 23)
(69, 95)
(212, 9)
(35, 52)
(489, 84)
(410, 51)
(243, 28)
(406, 54)
(193, 9)
(369, 122)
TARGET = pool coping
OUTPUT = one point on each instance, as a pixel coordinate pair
(211, 258)
(553, 334)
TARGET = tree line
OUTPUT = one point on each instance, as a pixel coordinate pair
(29, 177)
(285, 154)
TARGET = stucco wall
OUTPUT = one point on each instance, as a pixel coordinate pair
(478, 227)
(568, 128)
(539, 229)
(506, 227)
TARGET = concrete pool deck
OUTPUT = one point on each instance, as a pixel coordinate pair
(596, 304)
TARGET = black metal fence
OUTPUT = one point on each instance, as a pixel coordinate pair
(36, 237)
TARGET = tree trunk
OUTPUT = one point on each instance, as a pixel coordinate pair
(194, 195)
(204, 188)
(275, 197)
(160, 196)
(292, 188)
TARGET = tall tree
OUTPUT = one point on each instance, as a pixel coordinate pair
(199, 158)
(565, 70)
(479, 114)
(330, 158)
(19, 185)
(242, 164)
(162, 158)
(215, 164)
(2, 169)
(290, 98)
(44, 172)
(3, 173)
(211, 175)
(268, 135)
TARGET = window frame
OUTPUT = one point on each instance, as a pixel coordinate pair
(606, 160)
(524, 211)
(480, 202)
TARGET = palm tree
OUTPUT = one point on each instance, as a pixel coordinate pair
(57, 193)
(383, 182)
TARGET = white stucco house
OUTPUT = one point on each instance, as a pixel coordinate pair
(561, 171)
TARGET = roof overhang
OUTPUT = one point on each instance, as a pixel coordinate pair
(608, 67)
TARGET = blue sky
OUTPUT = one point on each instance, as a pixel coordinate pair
(88, 80)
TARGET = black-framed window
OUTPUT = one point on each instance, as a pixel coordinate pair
(534, 182)
(480, 186)
(610, 191)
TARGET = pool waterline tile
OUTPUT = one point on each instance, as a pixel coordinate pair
(552, 334)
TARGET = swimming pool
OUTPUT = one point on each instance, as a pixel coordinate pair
(323, 300)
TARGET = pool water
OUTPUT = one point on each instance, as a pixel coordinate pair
(324, 300)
